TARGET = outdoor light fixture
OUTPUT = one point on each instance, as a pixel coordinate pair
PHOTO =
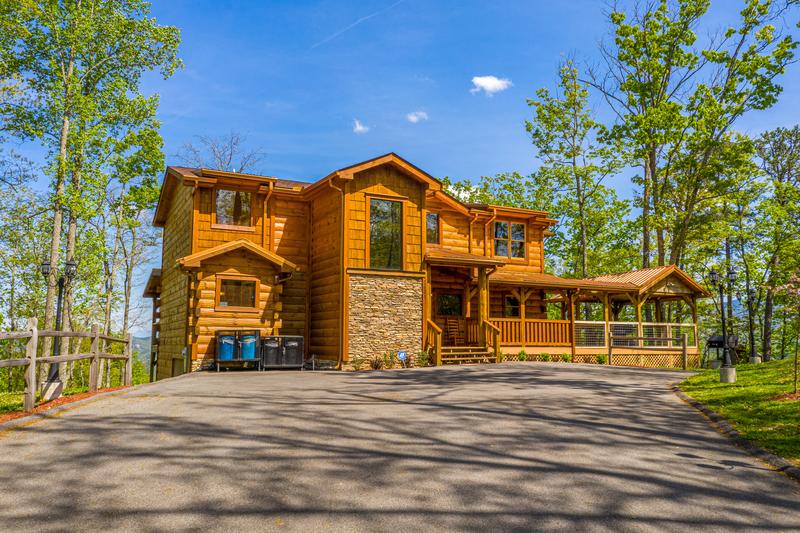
(52, 388)
(727, 373)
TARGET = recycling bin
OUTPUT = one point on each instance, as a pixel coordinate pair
(226, 347)
(237, 348)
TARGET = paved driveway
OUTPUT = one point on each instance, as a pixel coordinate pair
(513, 446)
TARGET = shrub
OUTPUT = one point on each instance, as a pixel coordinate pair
(389, 359)
(376, 362)
(522, 356)
(545, 357)
(358, 362)
(423, 358)
(601, 359)
(501, 357)
(566, 358)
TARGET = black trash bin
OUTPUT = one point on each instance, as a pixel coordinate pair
(282, 351)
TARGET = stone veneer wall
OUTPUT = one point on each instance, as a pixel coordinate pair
(385, 314)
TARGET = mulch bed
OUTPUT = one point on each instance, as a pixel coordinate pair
(787, 397)
(5, 417)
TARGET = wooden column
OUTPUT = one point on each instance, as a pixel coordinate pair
(607, 317)
(29, 400)
(571, 304)
(522, 294)
(483, 302)
(639, 303)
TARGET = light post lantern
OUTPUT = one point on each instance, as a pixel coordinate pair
(727, 372)
(52, 388)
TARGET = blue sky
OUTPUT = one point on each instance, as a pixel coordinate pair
(294, 76)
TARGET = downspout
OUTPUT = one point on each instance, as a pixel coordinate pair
(342, 230)
(485, 227)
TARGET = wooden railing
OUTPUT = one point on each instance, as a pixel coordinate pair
(530, 332)
(33, 334)
(434, 337)
(492, 333)
(682, 347)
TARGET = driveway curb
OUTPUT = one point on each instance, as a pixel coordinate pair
(777, 462)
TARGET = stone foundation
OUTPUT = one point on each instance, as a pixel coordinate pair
(385, 314)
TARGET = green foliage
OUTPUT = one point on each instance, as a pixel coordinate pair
(566, 358)
(750, 404)
(376, 362)
(545, 357)
(389, 359)
(601, 359)
(522, 356)
(422, 359)
(358, 362)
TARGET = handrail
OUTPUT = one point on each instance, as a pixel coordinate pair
(495, 334)
(437, 341)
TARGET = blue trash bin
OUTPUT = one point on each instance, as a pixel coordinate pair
(226, 347)
(249, 345)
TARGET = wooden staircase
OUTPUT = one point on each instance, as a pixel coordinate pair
(467, 354)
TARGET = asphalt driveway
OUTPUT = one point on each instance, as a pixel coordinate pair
(512, 446)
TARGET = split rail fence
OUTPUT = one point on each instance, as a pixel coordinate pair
(32, 335)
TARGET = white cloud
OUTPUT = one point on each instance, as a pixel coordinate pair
(417, 116)
(358, 127)
(489, 84)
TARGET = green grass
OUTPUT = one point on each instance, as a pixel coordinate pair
(747, 404)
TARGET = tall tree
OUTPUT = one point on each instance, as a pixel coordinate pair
(225, 152)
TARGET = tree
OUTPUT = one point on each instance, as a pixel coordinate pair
(226, 152)
(80, 64)
(575, 162)
(676, 106)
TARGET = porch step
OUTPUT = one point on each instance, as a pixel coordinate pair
(479, 355)
(463, 349)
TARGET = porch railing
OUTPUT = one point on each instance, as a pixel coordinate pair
(589, 334)
(532, 332)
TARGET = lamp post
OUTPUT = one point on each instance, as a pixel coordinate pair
(727, 373)
(751, 298)
(52, 388)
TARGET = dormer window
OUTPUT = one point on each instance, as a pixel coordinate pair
(509, 239)
(233, 208)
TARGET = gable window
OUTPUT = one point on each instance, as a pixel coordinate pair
(233, 208)
(510, 307)
(449, 305)
(385, 234)
(432, 228)
(236, 293)
(509, 239)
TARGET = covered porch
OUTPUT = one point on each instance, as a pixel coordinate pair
(641, 317)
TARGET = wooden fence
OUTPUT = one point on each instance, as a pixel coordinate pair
(33, 334)
(674, 354)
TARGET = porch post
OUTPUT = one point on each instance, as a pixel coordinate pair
(483, 303)
(607, 318)
(571, 302)
(523, 297)
(639, 304)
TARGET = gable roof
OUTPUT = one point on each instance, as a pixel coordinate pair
(194, 260)
(646, 278)
(443, 256)
(153, 286)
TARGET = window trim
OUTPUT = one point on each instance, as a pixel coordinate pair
(439, 232)
(368, 197)
(509, 240)
(237, 277)
(233, 227)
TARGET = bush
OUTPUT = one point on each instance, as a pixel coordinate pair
(358, 362)
(423, 358)
(389, 359)
(545, 357)
(601, 359)
(522, 356)
(376, 362)
(566, 358)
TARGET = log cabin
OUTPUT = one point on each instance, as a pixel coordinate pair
(378, 257)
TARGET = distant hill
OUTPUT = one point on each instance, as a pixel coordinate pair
(141, 348)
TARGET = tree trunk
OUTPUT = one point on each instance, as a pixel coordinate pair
(646, 216)
(766, 334)
(129, 279)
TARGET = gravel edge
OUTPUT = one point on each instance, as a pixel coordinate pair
(725, 427)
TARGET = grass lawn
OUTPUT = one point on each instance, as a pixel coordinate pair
(12, 401)
(749, 406)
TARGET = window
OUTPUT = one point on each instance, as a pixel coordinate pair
(509, 239)
(237, 293)
(385, 234)
(449, 305)
(432, 228)
(510, 307)
(233, 208)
